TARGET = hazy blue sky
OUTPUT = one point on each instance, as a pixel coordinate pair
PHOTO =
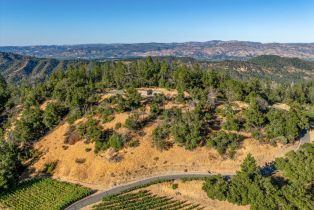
(33, 22)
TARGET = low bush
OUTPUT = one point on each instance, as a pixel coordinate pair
(132, 122)
(80, 160)
(224, 142)
(133, 143)
(74, 115)
(116, 141)
(160, 135)
(232, 123)
(118, 125)
(174, 186)
(50, 167)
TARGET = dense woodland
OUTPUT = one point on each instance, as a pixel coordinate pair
(76, 91)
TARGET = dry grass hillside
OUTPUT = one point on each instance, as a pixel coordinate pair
(79, 163)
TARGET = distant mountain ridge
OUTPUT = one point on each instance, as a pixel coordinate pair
(211, 50)
(17, 67)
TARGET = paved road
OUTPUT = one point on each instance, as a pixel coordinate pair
(94, 198)
(304, 139)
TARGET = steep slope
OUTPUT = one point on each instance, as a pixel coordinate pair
(17, 67)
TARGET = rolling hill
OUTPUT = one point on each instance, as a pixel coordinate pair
(210, 50)
(16, 67)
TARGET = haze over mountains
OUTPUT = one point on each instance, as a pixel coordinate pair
(211, 50)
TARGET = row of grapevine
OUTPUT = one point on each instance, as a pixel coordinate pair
(42, 194)
(142, 200)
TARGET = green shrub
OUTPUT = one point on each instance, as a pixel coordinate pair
(116, 141)
(159, 98)
(223, 141)
(187, 130)
(132, 122)
(154, 110)
(133, 143)
(90, 130)
(53, 114)
(231, 124)
(174, 186)
(50, 167)
(160, 135)
(118, 125)
(74, 115)
(106, 113)
(133, 98)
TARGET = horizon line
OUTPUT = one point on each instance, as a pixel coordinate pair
(152, 42)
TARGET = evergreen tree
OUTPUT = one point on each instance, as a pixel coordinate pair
(9, 166)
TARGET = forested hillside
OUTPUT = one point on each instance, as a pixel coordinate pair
(16, 67)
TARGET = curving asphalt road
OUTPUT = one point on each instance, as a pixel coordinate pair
(94, 198)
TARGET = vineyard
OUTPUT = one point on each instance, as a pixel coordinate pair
(42, 194)
(142, 200)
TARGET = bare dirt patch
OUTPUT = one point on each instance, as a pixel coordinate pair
(281, 106)
(240, 105)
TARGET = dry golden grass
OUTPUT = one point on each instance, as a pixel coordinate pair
(141, 161)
